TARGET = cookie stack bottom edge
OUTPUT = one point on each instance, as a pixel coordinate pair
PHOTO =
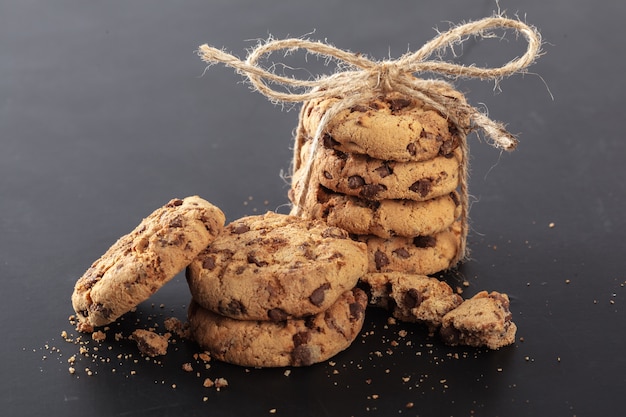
(295, 342)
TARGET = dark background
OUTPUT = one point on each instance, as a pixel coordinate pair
(106, 113)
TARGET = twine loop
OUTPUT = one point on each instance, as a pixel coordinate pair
(361, 80)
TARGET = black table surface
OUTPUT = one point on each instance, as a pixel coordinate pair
(106, 113)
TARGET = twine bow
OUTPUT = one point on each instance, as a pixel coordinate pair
(363, 79)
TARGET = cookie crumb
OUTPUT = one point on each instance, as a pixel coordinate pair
(220, 383)
(149, 343)
(551, 225)
(187, 367)
(98, 336)
(208, 383)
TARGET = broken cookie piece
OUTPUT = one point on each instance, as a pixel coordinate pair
(483, 320)
(411, 297)
(150, 343)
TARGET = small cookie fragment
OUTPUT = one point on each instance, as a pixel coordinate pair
(150, 343)
(411, 297)
(483, 320)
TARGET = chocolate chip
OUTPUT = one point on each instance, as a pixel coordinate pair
(412, 298)
(309, 322)
(411, 149)
(252, 259)
(355, 181)
(450, 335)
(371, 190)
(422, 187)
(176, 222)
(233, 308)
(424, 134)
(90, 280)
(455, 198)
(301, 338)
(356, 311)
(360, 108)
(240, 229)
(384, 170)
(399, 103)
(447, 148)
(424, 241)
(174, 203)
(328, 175)
(301, 356)
(317, 297)
(277, 314)
(100, 308)
(208, 263)
(380, 259)
(329, 142)
(402, 253)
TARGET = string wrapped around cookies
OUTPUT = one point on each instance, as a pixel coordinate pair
(383, 153)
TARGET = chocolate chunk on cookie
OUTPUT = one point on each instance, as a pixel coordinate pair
(411, 297)
(295, 342)
(139, 263)
(274, 267)
(483, 320)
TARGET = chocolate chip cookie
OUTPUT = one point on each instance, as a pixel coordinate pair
(382, 218)
(393, 127)
(483, 320)
(139, 263)
(411, 297)
(423, 255)
(376, 179)
(275, 267)
(296, 342)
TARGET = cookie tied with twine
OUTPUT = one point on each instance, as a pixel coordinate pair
(362, 79)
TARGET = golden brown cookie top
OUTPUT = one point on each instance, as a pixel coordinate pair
(393, 127)
(275, 266)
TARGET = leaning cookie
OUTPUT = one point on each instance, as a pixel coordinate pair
(298, 342)
(139, 263)
(393, 127)
(275, 267)
(423, 255)
(483, 320)
(411, 297)
(377, 179)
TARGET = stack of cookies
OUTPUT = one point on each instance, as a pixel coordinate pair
(277, 290)
(388, 172)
